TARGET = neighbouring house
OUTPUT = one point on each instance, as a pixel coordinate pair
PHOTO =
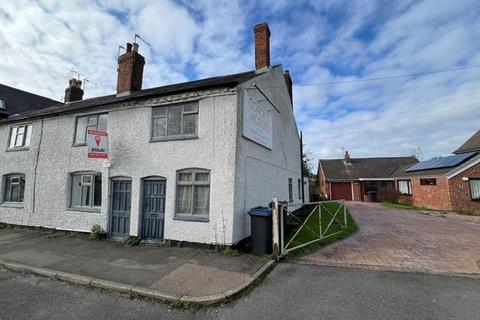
(186, 161)
(353, 179)
(15, 101)
(445, 183)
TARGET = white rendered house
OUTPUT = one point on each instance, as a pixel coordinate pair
(186, 161)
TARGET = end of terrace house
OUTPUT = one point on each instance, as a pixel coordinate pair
(185, 162)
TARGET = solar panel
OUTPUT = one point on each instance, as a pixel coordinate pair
(442, 162)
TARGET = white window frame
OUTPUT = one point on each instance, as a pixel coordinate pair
(192, 215)
(409, 187)
(472, 196)
(7, 194)
(19, 140)
(83, 183)
(167, 109)
(94, 127)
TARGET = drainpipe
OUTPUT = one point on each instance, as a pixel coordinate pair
(301, 166)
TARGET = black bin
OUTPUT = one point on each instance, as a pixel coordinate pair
(261, 229)
(372, 196)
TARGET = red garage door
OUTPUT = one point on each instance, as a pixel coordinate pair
(341, 191)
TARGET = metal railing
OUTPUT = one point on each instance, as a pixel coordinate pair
(328, 215)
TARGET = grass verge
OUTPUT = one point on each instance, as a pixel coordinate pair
(336, 229)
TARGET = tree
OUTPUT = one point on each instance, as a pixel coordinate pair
(307, 159)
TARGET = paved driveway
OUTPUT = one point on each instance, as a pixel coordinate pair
(405, 240)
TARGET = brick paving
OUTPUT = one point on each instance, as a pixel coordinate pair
(405, 240)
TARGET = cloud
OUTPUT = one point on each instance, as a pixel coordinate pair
(318, 41)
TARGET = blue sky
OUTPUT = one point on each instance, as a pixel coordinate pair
(318, 41)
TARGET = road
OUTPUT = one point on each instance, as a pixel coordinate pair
(290, 291)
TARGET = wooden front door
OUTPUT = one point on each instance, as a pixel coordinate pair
(120, 208)
(153, 209)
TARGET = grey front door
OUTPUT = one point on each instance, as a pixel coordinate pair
(121, 205)
(153, 209)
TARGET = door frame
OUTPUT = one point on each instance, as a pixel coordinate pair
(110, 201)
(140, 216)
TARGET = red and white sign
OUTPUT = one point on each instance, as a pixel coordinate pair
(97, 142)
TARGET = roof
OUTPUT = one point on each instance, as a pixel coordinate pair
(363, 168)
(409, 171)
(472, 144)
(209, 83)
(18, 101)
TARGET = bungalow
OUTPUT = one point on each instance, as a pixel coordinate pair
(185, 162)
(353, 178)
(445, 183)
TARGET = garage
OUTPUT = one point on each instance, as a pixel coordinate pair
(341, 191)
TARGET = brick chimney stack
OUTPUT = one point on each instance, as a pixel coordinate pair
(130, 70)
(262, 46)
(347, 158)
(74, 91)
(288, 82)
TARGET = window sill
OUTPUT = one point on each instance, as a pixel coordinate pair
(93, 210)
(191, 218)
(17, 205)
(17, 149)
(79, 145)
(174, 138)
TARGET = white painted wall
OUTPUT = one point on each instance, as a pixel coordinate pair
(262, 174)
(243, 173)
(131, 155)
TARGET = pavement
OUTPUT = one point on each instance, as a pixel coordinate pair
(405, 240)
(290, 291)
(165, 273)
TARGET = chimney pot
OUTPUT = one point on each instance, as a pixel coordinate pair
(135, 47)
(74, 91)
(129, 47)
(262, 46)
(347, 158)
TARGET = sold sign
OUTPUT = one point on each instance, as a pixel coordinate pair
(97, 142)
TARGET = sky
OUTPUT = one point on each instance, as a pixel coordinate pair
(335, 50)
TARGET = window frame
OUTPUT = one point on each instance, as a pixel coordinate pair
(8, 188)
(299, 181)
(290, 190)
(409, 187)
(91, 184)
(428, 181)
(180, 136)
(192, 216)
(26, 137)
(97, 115)
(470, 186)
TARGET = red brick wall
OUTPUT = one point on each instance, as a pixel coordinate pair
(433, 197)
(460, 190)
(324, 187)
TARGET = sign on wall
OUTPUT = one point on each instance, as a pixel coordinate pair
(97, 142)
(257, 119)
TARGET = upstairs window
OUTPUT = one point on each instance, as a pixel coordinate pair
(95, 122)
(86, 190)
(428, 182)
(193, 193)
(405, 187)
(20, 136)
(176, 121)
(14, 188)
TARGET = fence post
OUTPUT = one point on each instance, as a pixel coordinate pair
(276, 229)
(344, 214)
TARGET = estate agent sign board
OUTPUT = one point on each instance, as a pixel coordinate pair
(97, 142)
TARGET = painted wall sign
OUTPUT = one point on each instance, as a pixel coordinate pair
(257, 119)
(97, 142)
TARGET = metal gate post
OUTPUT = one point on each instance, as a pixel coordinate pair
(276, 229)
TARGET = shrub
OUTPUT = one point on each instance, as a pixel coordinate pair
(97, 232)
(131, 241)
(388, 195)
(228, 251)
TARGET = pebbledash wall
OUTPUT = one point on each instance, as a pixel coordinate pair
(243, 173)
